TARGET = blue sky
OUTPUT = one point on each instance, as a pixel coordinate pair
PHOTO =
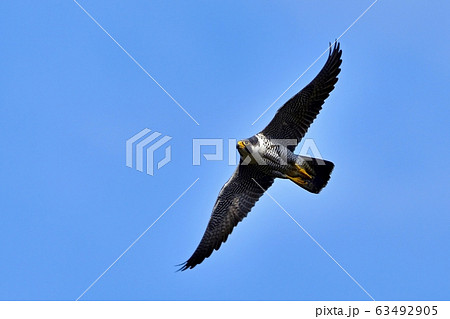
(70, 98)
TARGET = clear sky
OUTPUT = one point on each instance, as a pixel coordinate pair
(70, 98)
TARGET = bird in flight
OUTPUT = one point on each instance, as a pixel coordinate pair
(269, 155)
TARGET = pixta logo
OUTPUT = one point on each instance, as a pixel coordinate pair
(308, 148)
(143, 141)
(142, 148)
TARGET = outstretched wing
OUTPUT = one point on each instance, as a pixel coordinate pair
(236, 199)
(293, 119)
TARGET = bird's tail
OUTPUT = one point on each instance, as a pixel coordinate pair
(314, 173)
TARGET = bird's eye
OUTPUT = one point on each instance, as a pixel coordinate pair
(246, 142)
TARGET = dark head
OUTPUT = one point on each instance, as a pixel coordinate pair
(246, 147)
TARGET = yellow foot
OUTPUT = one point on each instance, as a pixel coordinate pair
(297, 180)
(302, 171)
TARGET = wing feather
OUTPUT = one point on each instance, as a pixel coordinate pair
(236, 198)
(293, 119)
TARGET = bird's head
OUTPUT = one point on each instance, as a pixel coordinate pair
(247, 146)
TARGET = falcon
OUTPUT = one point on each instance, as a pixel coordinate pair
(269, 155)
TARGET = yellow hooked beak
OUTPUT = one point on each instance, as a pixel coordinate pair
(241, 144)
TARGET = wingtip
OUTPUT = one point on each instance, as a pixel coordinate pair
(334, 47)
(183, 266)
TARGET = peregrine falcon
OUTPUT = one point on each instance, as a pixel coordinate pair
(269, 155)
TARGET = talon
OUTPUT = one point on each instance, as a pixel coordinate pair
(297, 180)
(302, 171)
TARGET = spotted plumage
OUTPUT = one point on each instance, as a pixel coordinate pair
(269, 155)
